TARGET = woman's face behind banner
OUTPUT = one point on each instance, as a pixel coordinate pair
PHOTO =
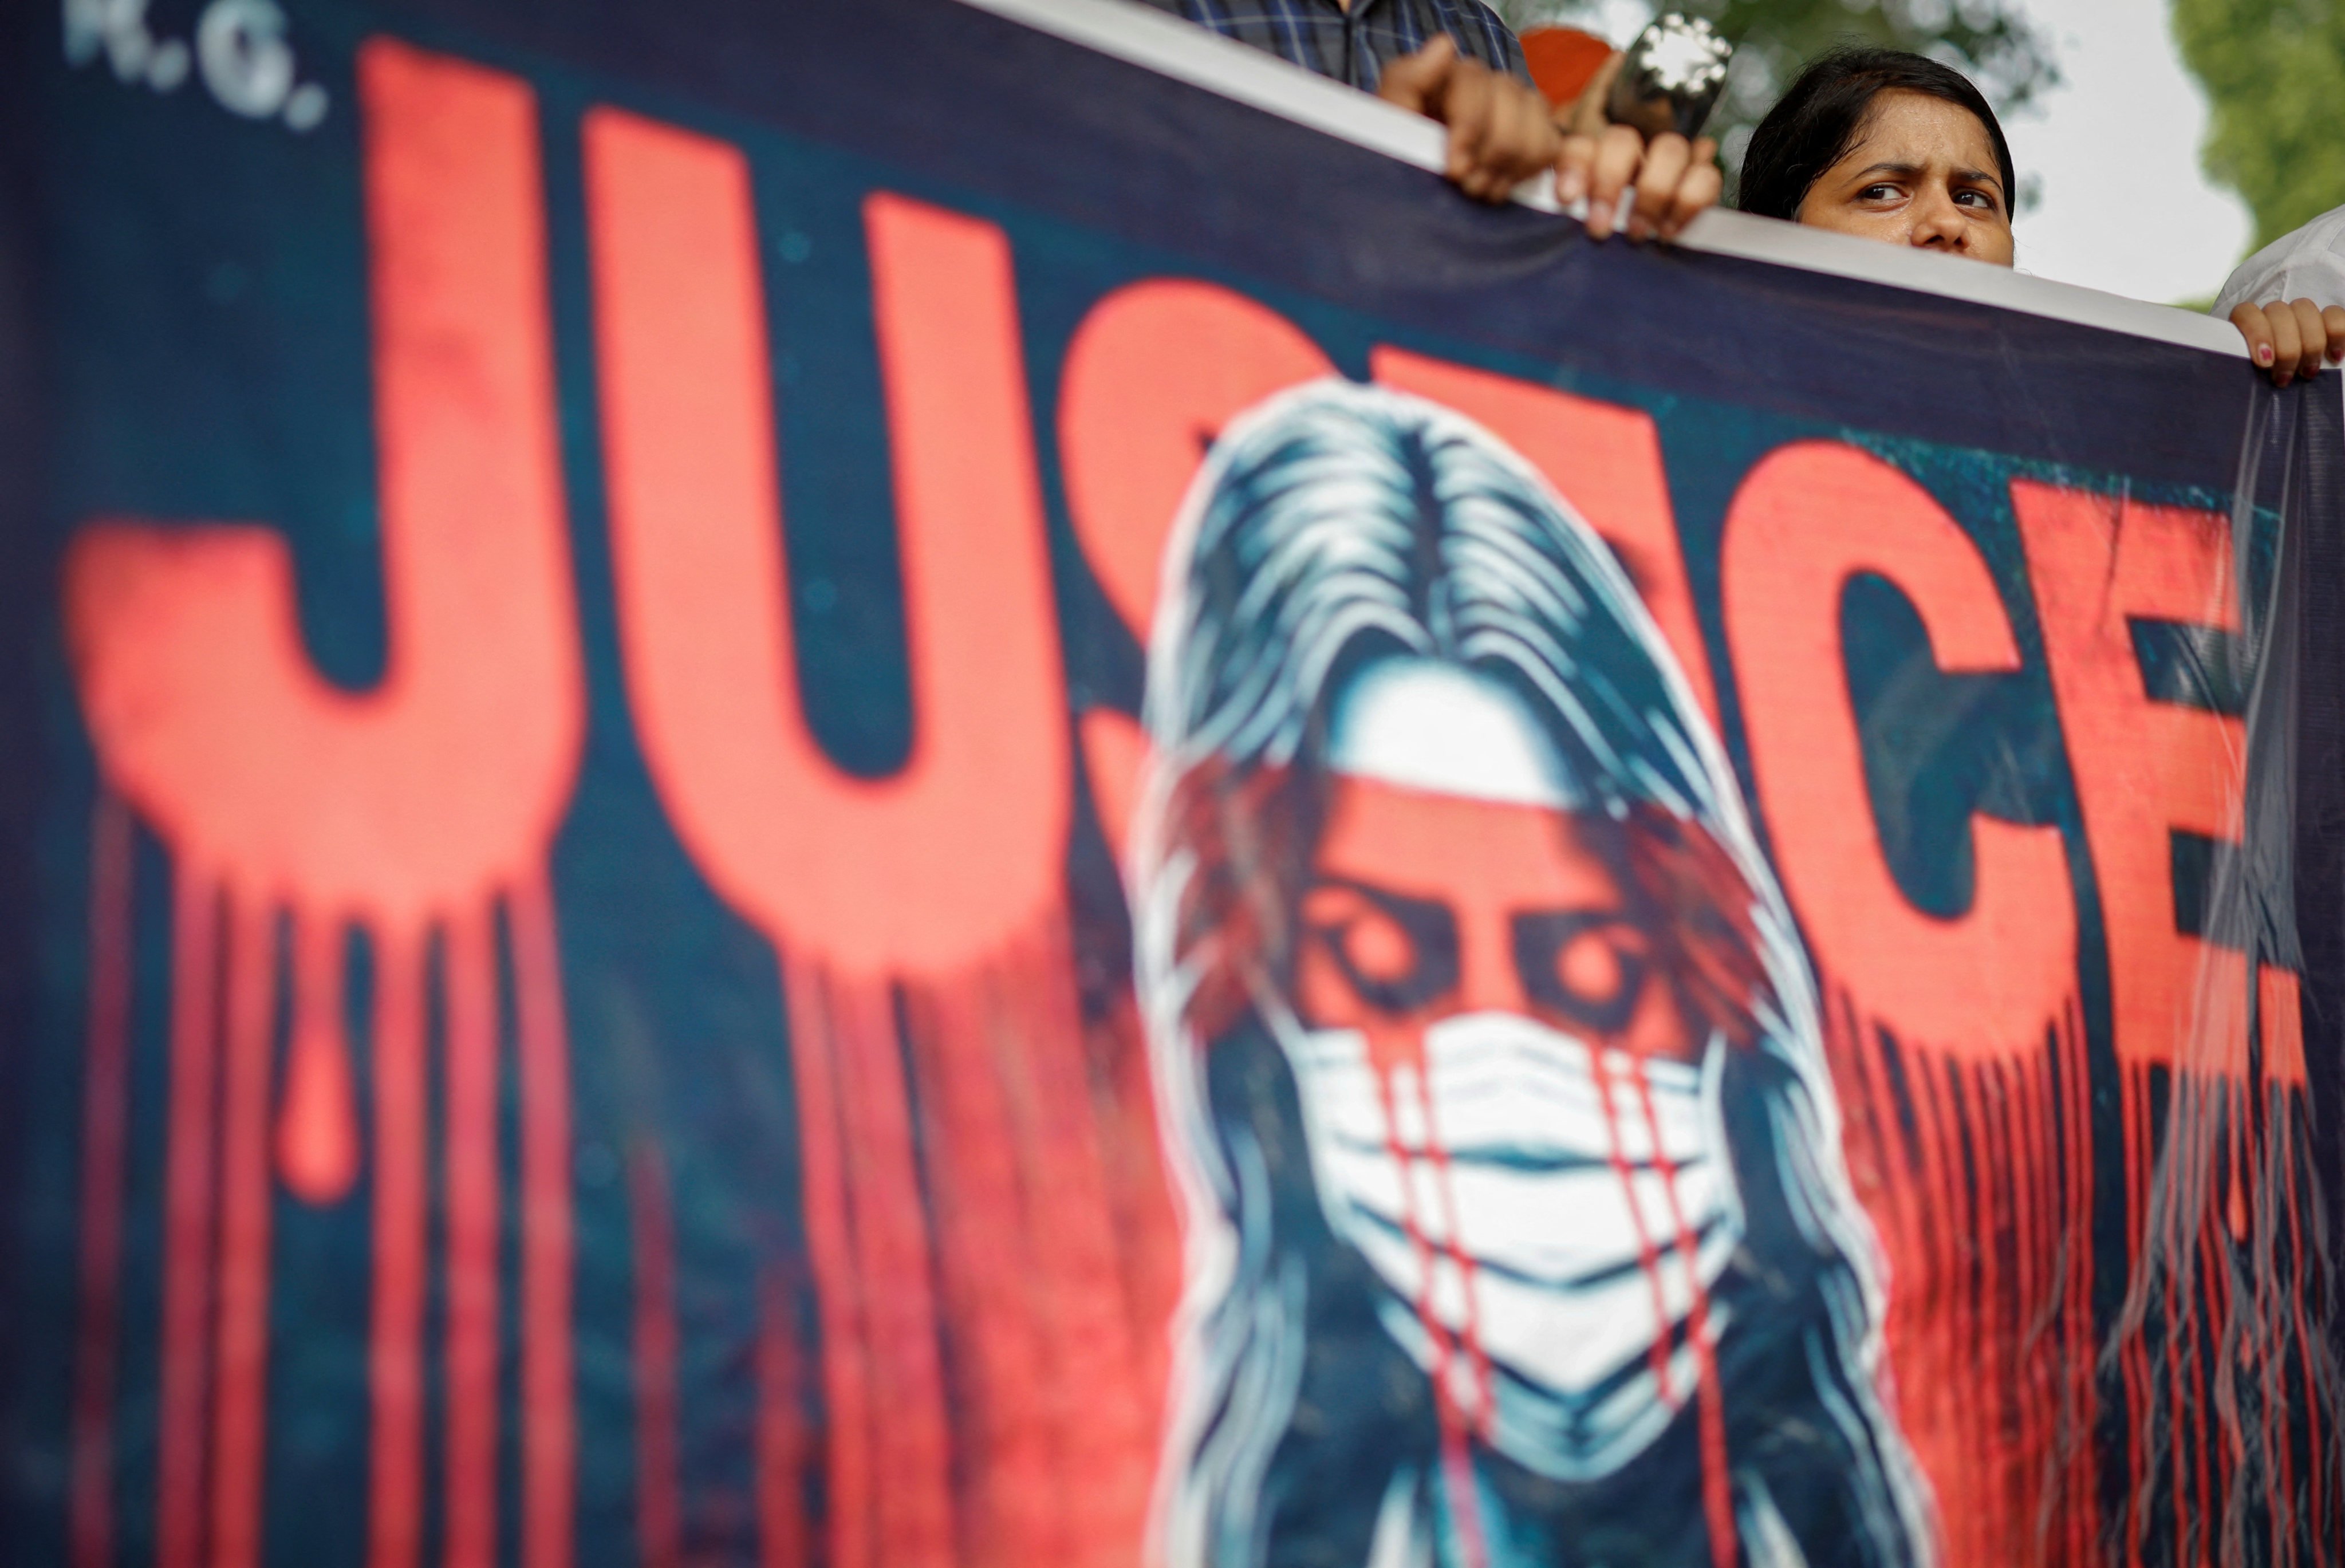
(1924, 173)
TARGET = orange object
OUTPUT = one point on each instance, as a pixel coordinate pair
(1563, 61)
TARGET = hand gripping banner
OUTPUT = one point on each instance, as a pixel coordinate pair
(923, 785)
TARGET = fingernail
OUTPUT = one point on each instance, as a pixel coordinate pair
(2263, 354)
(1571, 186)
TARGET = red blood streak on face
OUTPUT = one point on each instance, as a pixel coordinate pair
(1412, 917)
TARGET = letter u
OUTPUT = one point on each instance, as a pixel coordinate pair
(931, 869)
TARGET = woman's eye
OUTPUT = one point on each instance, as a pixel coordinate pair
(1978, 199)
(1589, 966)
(1878, 193)
(1394, 955)
(1372, 943)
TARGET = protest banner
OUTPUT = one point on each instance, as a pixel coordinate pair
(930, 783)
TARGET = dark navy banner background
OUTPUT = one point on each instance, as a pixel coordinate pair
(635, 1182)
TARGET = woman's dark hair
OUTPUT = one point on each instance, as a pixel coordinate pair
(1816, 121)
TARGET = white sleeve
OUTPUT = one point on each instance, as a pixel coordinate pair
(2309, 264)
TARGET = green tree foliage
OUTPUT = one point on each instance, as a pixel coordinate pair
(1991, 41)
(2274, 70)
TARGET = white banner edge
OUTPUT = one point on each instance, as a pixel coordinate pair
(1165, 44)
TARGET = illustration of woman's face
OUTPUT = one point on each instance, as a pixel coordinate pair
(1423, 906)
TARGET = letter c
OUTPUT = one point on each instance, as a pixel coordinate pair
(1811, 516)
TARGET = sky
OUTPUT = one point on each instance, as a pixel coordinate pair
(2125, 206)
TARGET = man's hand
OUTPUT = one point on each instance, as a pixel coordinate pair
(1499, 133)
(1674, 179)
(2290, 338)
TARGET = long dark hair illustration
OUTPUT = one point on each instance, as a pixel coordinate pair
(1517, 1227)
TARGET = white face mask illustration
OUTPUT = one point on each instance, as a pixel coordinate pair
(1549, 1209)
(1535, 1206)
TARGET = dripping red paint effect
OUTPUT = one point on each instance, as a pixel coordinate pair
(1963, 1169)
(386, 808)
(2316, 1467)
(205, 710)
(2011, 1094)
(2044, 1309)
(1880, 1169)
(2168, 1425)
(1979, 1156)
(2135, 1114)
(470, 1085)
(2319, 1526)
(1648, 1260)
(1483, 1419)
(317, 1126)
(2182, 1010)
(1986, 1230)
(880, 1348)
(1959, 1006)
(987, 1281)
(549, 1450)
(2260, 1233)
(2039, 1485)
(395, 1365)
(913, 1512)
(2011, 1168)
(2042, 1329)
(2217, 1313)
(659, 1505)
(869, 889)
(1933, 1331)
(782, 1446)
(2221, 1342)
(2213, 1415)
(1717, 1477)
(2036, 1299)
(1140, 1200)
(1035, 1305)
(2165, 1216)
(239, 1458)
(1952, 1345)
(2203, 1381)
(849, 1481)
(187, 1221)
(2076, 1250)
(1998, 1260)
(106, 1093)
(1986, 1102)
(1456, 1463)
(1103, 1409)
